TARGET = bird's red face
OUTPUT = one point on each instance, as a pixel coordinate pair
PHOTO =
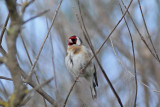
(72, 40)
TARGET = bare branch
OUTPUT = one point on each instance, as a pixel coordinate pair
(12, 63)
(5, 78)
(41, 85)
(115, 26)
(4, 90)
(66, 99)
(141, 36)
(25, 4)
(85, 33)
(39, 14)
(134, 60)
(40, 91)
(149, 36)
(52, 49)
(2, 50)
(4, 28)
(3, 60)
(37, 57)
(2, 34)
(31, 63)
(129, 72)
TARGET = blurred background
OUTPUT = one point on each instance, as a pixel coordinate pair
(100, 17)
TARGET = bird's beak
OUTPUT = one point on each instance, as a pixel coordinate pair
(70, 41)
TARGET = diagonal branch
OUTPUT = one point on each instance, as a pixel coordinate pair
(41, 85)
(25, 4)
(3, 29)
(39, 14)
(37, 57)
(134, 60)
(85, 33)
(96, 53)
(2, 34)
(40, 91)
(52, 49)
(30, 62)
(149, 36)
(126, 70)
(141, 36)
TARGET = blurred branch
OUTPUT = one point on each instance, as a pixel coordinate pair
(37, 57)
(2, 34)
(26, 49)
(3, 29)
(134, 60)
(52, 49)
(149, 36)
(26, 99)
(31, 62)
(41, 85)
(3, 103)
(3, 60)
(141, 36)
(86, 35)
(5, 78)
(38, 15)
(2, 50)
(123, 66)
(24, 5)
(115, 26)
(4, 90)
(40, 91)
(12, 63)
(66, 99)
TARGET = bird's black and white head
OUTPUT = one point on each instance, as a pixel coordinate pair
(74, 40)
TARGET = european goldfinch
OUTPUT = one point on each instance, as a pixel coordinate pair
(76, 58)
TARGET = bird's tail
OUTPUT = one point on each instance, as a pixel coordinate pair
(94, 84)
(93, 90)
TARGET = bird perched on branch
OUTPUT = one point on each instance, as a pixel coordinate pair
(76, 58)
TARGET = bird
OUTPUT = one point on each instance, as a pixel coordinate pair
(77, 57)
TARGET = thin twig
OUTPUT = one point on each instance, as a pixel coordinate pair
(129, 72)
(31, 64)
(115, 26)
(141, 36)
(2, 50)
(26, 49)
(6, 78)
(41, 85)
(37, 57)
(4, 89)
(27, 99)
(36, 88)
(3, 29)
(134, 60)
(52, 49)
(1, 36)
(40, 91)
(85, 33)
(149, 36)
(39, 14)
(66, 99)
(24, 5)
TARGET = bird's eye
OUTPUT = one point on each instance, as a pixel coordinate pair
(73, 40)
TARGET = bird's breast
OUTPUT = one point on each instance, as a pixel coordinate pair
(76, 59)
